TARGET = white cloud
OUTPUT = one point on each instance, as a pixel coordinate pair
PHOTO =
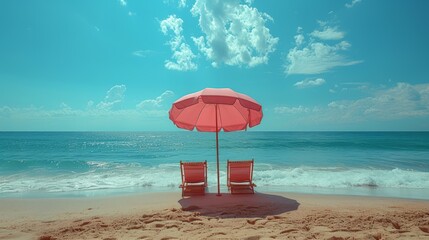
(90, 104)
(64, 106)
(116, 93)
(291, 110)
(182, 59)
(235, 34)
(310, 83)
(114, 96)
(403, 100)
(355, 86)
(336, 105)
(123, 2)
(172, 23)
(328, 33)
(352, 3)
(131, 13)
(150, 107)
(299, 39)
(314, 56)
(103, 116)
(182, 3)
(5, 111)
(141, 53)
(317, 57)
(37, 113)
(151, 104)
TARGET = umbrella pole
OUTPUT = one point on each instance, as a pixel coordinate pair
(217, 156)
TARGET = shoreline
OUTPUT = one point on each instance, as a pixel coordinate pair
(166, 214)
(399, 193)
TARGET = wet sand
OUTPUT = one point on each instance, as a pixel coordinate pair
(259, 216)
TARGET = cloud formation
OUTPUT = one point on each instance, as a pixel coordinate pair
(5, 111)
(182, 59)
(123, 2)
(182, 3)
(33, 113)
(352, 3)
(114, 96)
(103, 116)
(234, 34)
(310, 83)
(399, 102)
(316, 56)
(403, 100)
(150, 104)
(328, 33)
(292, 110)
(141, 53)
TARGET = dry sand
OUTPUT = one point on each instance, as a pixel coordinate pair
(259, 216)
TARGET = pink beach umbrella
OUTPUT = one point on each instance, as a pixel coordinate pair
(214, 109)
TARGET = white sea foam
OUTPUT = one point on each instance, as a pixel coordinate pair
(342, 178)
(98, 164)
(168, 175)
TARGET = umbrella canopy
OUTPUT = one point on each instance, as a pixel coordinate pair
(216, 109)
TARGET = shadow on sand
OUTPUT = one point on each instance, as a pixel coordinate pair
(258, 205)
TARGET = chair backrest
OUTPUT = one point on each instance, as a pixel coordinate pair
(240, 171)
(193, 172)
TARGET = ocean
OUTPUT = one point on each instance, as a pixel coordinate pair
(75, 164)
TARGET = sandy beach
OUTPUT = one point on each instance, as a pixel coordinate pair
(259, 216)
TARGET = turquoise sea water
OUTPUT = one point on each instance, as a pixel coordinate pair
(86, 163)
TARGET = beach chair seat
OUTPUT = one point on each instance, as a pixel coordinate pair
(239, 176)
(194, 178)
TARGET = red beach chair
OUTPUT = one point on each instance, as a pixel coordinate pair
(194, 177)
(240, 174)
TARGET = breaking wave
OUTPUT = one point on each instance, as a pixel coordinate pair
(103, 175)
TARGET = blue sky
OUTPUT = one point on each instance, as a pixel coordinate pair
(120, 64)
